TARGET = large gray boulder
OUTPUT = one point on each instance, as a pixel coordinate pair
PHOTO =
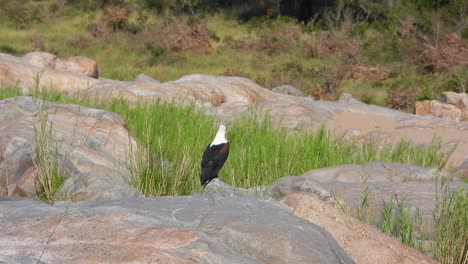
(287, 89)
(415, 186)
(93, 149)
(223, 226)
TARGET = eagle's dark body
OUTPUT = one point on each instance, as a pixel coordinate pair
(213, 160)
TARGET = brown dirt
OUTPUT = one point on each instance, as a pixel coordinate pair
(368, 72)
(401, 98)
(180, 35)
(363, 243)
(329, 44)
(451, 52)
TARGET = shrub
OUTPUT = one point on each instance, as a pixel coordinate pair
(157, 54)
(9, 49)
(93, 4)
(401, 98)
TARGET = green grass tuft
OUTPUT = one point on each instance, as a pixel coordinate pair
(450, 241)
(397, 221)
(46, 158)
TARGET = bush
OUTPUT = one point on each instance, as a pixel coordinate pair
(93, 4)
(401, 98)
(21, 15)
(157, 54)
(9, 49)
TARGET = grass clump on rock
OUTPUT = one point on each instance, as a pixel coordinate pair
(450, 241)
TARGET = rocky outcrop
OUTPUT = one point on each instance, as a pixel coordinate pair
(145, 78)
(449, 105)
(288, 89)
(92, 147)
(422, 108)
(347, 184)
(229, 97)
(365, 244)
(446, 111)
(216, 228)
(78, 64)
(460, 100)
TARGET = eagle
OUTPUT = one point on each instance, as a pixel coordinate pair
(214, 157)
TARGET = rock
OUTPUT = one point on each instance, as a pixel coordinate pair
(180, 229)
(94, 147)
(40, 59)
(348, 183)
(8, 259)
(459, 100)
(291, 184)
(363, 243)
(79, 64)
(217, 188)
(346, 97)
(462, 170)
(288, 89)
(422, 108)
(145, 78)
(446, 111)
(15, 190)
(374, 172)
(231, 97)
(18, 72)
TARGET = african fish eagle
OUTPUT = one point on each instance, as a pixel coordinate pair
(214, 157)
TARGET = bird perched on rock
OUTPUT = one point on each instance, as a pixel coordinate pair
(214, 156)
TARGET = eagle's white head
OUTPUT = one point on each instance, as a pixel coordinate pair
(220, 136)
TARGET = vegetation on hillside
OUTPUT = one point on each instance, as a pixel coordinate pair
(383, 54)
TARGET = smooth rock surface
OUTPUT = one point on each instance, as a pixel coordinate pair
(78, 64)
(446, 111)
(192, 229)
(449, 105)
(40, 59)
(415, 186)
(422, 108)
(93, 146)
(288, 89)
(459, 100)
(145, 78)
